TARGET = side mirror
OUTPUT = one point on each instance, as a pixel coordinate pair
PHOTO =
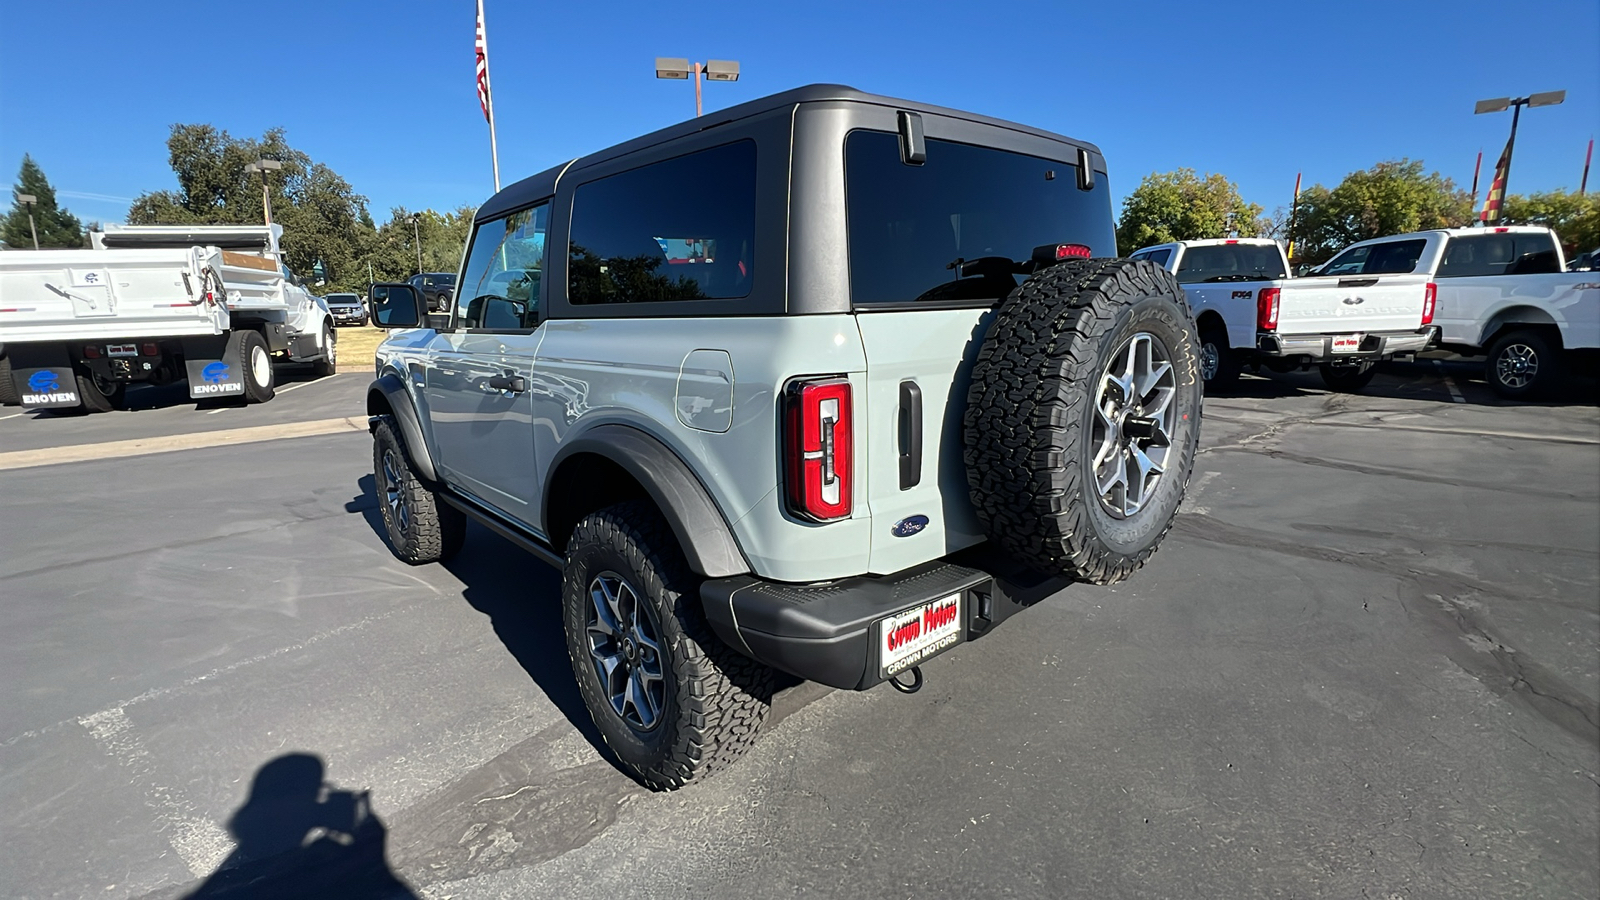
(397, 306)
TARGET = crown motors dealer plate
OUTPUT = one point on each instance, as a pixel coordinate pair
(913, 637)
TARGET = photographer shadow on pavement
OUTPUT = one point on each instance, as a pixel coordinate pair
(299, 836)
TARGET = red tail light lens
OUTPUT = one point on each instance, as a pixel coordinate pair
(1072, 251)
(1428, 299)
(816, 449)
(91, 352)
(1267, 308)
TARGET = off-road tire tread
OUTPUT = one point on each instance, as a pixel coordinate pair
(437, 529)
(723, 696)
(1024, 423)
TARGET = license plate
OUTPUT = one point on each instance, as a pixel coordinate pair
(1347, 343)
(122, 350)
(917, 635)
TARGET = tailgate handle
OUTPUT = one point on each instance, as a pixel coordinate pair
(910, 435)
(1357, 282)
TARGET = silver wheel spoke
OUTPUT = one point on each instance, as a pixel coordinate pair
(1134, 422)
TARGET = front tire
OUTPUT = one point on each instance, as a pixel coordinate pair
(329, 363)
(1347, 379)
(421, 527)
(1083, 417)
(1522, 364)
(672, 701)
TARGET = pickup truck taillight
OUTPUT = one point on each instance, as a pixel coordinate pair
(816, 448)
(1429, 297)
(1267, 308)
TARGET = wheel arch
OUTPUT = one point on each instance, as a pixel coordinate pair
(387, 396)
(613, 463)
(1518, 318)
(1209, 320)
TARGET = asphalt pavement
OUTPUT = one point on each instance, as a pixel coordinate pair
(1366, 663)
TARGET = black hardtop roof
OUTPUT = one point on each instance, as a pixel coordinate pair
(537, 187)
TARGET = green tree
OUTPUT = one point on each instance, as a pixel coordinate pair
(393, 248)
(324, 221)
(1180, 206)
(1392, 197)
(1574, 217)
(58, 229)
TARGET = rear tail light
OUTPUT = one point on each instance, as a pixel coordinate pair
(1429, 297)
(816, 449)
(91, 352)
(1267, 308)
(149, 350)
(1050, 254)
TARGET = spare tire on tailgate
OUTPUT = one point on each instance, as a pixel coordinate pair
(1083, 417)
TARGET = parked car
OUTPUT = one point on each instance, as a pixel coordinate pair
(1344, 320)
(436, 287)
(831, 388)
(347, 309)
(1585, 262)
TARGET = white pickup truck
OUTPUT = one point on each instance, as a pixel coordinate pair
(211, 304)
(1503, 292)
(1251, 313)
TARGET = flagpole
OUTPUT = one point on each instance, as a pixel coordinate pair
(494, 149)
(1294, 207)
(1476, 168)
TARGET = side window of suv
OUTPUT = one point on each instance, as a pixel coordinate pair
(505, 268)
(680, 229)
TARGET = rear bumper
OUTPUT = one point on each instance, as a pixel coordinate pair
(830, 632)
(1319, 347)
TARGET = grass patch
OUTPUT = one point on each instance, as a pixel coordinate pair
(356, 345)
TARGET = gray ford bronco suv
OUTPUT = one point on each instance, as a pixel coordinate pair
(826, 383)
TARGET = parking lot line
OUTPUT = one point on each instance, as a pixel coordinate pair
(1455, 392)
(50, 456)
(12, 416)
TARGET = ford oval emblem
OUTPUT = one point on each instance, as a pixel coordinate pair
(909, 525)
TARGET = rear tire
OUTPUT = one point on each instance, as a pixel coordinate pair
(1349, 379)
(95, 398)
(329, 363)
(1049, 420)
(421, 527)
(1522, 365)
(8, 390)
(1219, 363)
(248, 350)
(672, 701)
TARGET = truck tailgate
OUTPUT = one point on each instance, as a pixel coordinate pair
(1354, 303)
(94, 294)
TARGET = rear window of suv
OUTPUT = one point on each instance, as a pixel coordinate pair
(916, 230)
(680, 229)
(1507, 253)
(1230, 262)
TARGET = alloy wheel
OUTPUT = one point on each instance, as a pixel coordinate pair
(1133, 424)
(625, 648)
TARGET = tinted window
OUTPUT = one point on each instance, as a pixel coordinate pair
(683, 229)
(950, 229)
(1499, 254)
(1159, 257)
(1230, 262)
(504, 271)
(1392, 258)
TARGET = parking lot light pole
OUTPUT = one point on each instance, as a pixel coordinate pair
(29, 200)
(1515, 104)
(416, 237)
(264, 166)
(675, 69)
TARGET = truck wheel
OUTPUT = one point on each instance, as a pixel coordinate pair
(101, 396)
(329, 363)
(1521, 364)
(672, 701)
(1219, 364)
(248, 350)
(421, 527)
(1348, 379)
(1083, 416)
(8, 389)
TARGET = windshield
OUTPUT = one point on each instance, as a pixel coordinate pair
(342, 298)
(1392, 258)
(1231, 262)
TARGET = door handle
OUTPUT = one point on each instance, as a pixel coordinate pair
(514, 384)
(910, 435)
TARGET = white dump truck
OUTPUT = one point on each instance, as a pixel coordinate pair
(214, 305)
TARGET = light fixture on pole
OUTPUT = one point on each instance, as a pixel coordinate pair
(264, 166)
(676, 69)
(29, 200)
(1502, 171)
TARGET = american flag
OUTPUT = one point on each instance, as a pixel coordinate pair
(483, 69)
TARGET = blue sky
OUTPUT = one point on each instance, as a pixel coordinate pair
(383, 92)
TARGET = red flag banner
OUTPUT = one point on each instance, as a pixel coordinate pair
(483, 69)
(1497, 189)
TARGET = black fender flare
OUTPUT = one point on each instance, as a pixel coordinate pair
(702, 532)
(404, 411)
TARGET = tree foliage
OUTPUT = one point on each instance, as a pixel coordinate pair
(1574, 217)
(1180, 206)
(1392, 197)
(58, 229)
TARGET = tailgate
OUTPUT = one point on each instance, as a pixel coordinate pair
(101, 293)
(1353, 303)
